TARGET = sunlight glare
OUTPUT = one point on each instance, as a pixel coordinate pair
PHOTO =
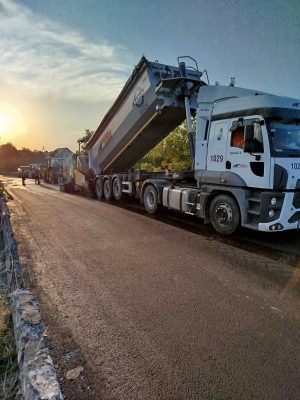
(12, 123)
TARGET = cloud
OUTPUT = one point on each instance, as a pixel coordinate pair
(45, 58)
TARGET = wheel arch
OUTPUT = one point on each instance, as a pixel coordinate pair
(237, 194)
(159, 184)
(105, 177)
(116, 176)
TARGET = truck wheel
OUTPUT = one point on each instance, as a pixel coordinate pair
(117, 188)
(107, 189)
(151, 199)
(224, 214)
(99, 189)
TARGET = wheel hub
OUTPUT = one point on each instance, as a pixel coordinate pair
(117, 188)
(223, 214)
(106, 187)
(150, 200)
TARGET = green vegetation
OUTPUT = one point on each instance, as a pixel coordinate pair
(172, 151)
(9, 383)
(83, 141)
(7, 352)
(9, 387)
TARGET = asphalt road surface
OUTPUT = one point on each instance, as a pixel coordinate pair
(152, 310)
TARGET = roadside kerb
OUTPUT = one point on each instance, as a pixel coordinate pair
(37, 373)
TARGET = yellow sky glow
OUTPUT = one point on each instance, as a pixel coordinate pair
(12, 124)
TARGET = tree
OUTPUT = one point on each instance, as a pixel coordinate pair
(11, 158)
(8, 157)
(83, 141)
(172, 151)
(7, 151)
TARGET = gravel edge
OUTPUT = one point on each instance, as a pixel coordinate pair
(37, 372)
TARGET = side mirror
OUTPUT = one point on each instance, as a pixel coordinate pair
(249, 139)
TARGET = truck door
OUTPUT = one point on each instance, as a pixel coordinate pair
(217, 144)
(253, 168)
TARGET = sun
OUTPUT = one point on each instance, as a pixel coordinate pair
(12, 123)
(4, 122)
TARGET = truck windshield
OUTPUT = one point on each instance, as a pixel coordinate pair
(285, 138)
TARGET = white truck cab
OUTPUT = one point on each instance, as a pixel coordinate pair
(248, 147)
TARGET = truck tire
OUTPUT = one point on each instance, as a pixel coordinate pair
(107, 189)
(99, 189)
(224, 214)
(150, 199)
(117, 188)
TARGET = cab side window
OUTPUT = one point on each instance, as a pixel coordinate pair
(237, 138)
(258, 139)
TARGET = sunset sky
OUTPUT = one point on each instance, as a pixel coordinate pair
(63, 62)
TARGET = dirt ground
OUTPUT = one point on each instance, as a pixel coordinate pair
(152, 311)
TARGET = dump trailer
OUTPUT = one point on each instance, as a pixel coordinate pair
(148, 108)
(245, 150)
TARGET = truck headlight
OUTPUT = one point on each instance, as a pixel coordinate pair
(271, 213)
(273, 201)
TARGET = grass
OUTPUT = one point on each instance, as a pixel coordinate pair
(9, 375)
(9, 386)
(7, 352)
(9, 382)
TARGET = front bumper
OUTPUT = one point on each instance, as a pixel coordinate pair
(288, 218)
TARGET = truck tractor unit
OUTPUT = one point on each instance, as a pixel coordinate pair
(245, 149)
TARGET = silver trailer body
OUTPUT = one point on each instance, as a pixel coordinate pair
(149, 107)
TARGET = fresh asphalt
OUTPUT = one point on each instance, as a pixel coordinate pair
(157, 311)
